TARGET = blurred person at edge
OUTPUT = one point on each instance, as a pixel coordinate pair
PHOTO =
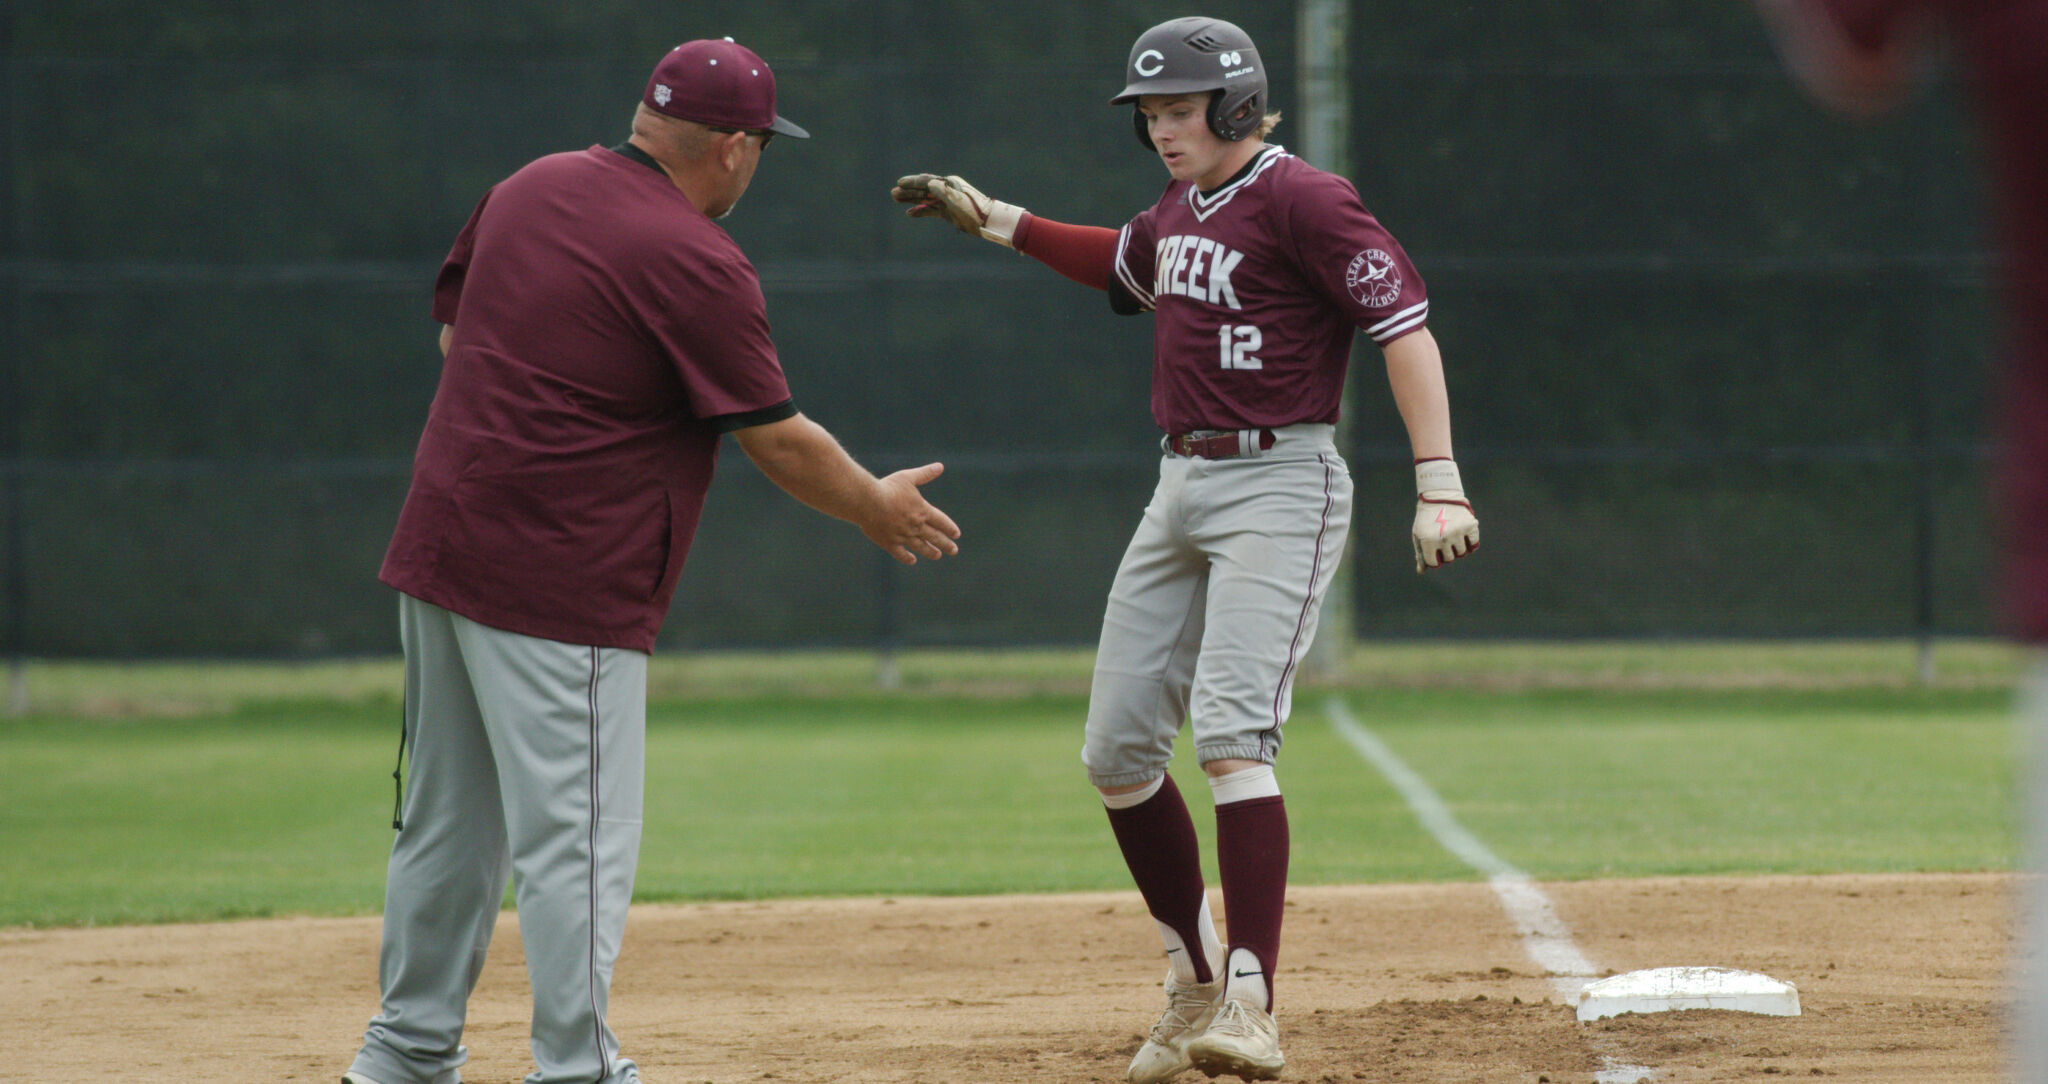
(1859, 57)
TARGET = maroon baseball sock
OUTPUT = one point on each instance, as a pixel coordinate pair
(1251, 858)
(1158, 840)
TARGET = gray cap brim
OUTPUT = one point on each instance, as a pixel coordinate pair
(784, 127)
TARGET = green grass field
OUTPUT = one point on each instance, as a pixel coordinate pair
(174, 793)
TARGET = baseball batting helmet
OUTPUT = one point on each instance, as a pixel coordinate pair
(1196, 54)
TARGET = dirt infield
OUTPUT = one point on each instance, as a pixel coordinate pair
(1901, 978)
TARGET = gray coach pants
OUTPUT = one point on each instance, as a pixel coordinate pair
(527, 761)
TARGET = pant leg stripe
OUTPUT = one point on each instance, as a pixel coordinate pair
(1308, 601)
(604, 1060)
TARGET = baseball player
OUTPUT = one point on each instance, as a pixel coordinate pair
(602, 334)
(1258, 269)
(1860, 56)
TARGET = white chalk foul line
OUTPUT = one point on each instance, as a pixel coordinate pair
(1544, 936)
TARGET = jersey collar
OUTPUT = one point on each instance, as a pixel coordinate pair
(1207, 203)
(640, 156)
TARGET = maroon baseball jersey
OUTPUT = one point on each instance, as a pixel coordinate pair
(2004, 48)
(605, 334)
(1257, 289)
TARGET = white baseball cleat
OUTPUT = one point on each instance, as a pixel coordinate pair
(1241, 1040)
(356, 1078)
(1165, 1053)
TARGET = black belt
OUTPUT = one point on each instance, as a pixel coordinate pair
(1216, 444)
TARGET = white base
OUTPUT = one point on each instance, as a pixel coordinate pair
(1666, 989)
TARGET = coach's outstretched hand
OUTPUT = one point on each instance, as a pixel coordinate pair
(797, 454)
(1445, 526)
(959, 203)
(905, 524)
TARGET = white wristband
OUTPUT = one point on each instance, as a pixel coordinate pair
(1437, 474)
(1001, 226)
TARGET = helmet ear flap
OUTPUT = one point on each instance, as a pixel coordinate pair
(1240, 118)
(1241, 121)
(1218, 123)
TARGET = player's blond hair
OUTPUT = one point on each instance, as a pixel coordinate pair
(1266, 124)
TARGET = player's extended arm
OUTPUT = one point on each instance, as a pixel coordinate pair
(1085, 254)
(797, 454)
(960, 204)
(1445, 526)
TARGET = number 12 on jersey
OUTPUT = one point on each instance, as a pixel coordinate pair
(1238, 341)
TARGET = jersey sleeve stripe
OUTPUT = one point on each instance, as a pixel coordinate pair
(1407, 325)
(1421, 307)
(731, 423)
(1123, 270)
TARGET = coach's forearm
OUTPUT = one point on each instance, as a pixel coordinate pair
(1415, 373)
(798, 454)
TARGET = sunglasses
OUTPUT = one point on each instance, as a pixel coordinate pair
(766, 135)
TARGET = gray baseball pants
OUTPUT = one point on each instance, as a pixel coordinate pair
(527, 762)
(1215, 605)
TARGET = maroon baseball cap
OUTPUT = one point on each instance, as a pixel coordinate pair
(719, 83)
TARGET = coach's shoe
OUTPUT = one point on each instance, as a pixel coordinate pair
(1241, 1040)
(1165, 1053)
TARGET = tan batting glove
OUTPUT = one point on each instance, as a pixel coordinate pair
(1445, 528)
(959, 203)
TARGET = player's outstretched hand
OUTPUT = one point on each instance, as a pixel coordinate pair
(960, 204)
(907, 525)
(916, 190)
(1445, 526)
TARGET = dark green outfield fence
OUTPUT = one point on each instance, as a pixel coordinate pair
(1716, 358)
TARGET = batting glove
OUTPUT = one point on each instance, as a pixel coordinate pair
(959, 203)
(1445, 528)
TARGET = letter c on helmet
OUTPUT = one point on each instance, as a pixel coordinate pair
(1157, 59)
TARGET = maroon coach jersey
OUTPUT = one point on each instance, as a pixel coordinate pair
(605, 334)
(1257, 288)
